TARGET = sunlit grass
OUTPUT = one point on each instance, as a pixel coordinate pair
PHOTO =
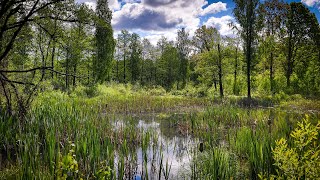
(237, 141)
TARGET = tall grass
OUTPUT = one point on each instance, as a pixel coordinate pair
(237, 141)
(215, 163)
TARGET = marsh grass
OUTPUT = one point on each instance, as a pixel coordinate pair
(237, 141)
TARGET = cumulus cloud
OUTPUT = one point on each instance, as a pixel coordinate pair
(137, 16)
(159, 15)
(91, 5)
(154, 38)
(214, 8)
(157, 3)
(222, 25)
(155, 18)
(312, 3)
(113, 4)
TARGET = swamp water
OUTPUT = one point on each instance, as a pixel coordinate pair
(170, 143)
(166, 153)
(237, 143)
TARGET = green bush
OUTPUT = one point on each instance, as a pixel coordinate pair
(68, 166)
(157, 91)
(91, 91)
(301, 160)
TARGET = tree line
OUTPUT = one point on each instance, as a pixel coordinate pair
(275, 48)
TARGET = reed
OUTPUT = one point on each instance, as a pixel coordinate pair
(232, 136)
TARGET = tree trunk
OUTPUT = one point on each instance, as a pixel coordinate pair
(289, 59)
(74, 73)
(235, 91)
(124, 68)
(248, 58)
(67, 70)
(52, 57)
(142, 69)
(215, 84)
(271, 74)
(249, 40)
(117, 70)
(220, 70)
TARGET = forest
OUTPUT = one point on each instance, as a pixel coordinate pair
(80, 101)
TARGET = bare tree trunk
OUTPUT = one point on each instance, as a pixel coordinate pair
(117, 70)
(52, 57)
(235, 92)
(67, 69)
(248, 58)
(220, 70)
(271, 74)
(289, 59)
(74, 77)
(124, 68)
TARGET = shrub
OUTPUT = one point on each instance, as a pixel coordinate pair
(302, 160)
(68, 166)
(157, 91)
(91, 91)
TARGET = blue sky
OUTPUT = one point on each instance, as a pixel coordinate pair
(152, 19)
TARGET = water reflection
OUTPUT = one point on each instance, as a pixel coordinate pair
(167, 149)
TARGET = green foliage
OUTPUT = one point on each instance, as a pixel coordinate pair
(105, 43)
(135, 57)
(168, 67)
(91, 91)
(301, 158)
(216, 163)
(104, 172)
(68, 165)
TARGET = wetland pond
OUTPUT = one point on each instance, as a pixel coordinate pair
(238, 139)
(165, 147)
(212, 142)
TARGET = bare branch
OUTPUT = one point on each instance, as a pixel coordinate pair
(24, 71)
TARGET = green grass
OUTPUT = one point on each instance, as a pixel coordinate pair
(237, 140)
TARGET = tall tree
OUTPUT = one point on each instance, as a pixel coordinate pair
(135, 57)
(219, 50)
(17, 16)
(274, 13)
(233, 46)
(297, 28)
(147, 63)
(204, 40)
(123, 47)
(104, 42)
(245, 12)
(183, 48)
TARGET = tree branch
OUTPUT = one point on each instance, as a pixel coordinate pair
(24, 71)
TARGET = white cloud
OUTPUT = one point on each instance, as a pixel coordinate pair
(154, 38)
(222, 25)
(92, 5)
(155, 18)
(214, 8)
(113, 4)
(158, 15)
(131, 1)
(310, 2)
(140, 17)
